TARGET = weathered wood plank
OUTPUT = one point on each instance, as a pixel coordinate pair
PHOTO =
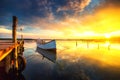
(6, 48)
(4, 53)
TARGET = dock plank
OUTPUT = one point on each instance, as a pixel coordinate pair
(5, 44)
(5, 48)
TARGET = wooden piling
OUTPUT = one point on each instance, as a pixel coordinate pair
(98, 45)
(15, 21)
(87, 44)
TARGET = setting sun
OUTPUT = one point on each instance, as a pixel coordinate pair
(107, 35)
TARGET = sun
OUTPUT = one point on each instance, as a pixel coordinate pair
(89, 33)
(107, 36)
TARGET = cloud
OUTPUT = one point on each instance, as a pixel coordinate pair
(113, 2)
(3, 30)
(76, 5)
(99, 22)
(27, 10)
(109, 3)
(36, 33)
(61, 17)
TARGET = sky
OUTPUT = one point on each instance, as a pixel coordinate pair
(61, 19)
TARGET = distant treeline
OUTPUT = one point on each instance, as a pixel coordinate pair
(112, 39)
(17, 39)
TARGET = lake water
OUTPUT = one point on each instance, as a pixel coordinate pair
(75, 61)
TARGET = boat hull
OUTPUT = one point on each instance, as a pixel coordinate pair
(48, 46)
(48, 50)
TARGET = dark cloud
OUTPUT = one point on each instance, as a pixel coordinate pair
(113, 2)
(28, 10)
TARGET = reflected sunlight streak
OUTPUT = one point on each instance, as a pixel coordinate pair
(103, 56)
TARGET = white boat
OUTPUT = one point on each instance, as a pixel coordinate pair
(51, 45)
(47, 49)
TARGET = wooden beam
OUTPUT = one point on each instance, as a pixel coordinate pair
(6, 51)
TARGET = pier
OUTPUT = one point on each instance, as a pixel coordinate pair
(11, 53)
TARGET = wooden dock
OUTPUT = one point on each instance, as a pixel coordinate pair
(11, 53)
(5, 48)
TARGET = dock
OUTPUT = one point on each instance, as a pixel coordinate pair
(11, 53)
(5, 48)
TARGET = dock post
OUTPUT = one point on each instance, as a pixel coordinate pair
(98, 45)
(87, 44)
(76, 44)
(15, 22)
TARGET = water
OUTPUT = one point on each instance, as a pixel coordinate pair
(81, 61)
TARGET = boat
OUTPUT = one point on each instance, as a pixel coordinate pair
(47, 49)
(51, 45)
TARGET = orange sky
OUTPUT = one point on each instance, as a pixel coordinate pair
(102, 22)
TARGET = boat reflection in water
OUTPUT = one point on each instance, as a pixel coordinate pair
(48, 50)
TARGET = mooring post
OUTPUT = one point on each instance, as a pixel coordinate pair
(98, 45)
(87, 44)
(109, 46)
(15, 22)
(76, 44)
